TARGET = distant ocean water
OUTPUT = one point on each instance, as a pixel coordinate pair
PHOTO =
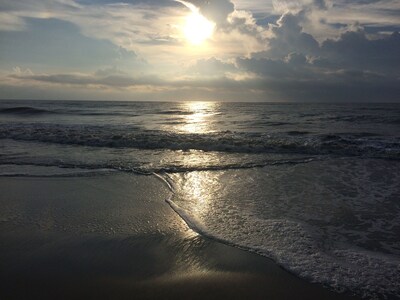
(316, 187)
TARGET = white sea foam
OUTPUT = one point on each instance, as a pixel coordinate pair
(326, 239)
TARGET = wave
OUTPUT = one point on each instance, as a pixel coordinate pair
(83, 113)
(28, 110)
(342, 144)
(30, 167)
(25, 110)
(297, 132)
(174, 112)
(362, 119)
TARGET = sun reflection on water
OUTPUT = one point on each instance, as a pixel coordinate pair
(199, 188)
(199, 117)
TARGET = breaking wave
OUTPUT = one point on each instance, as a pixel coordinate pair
(25, 110)
(344, 144)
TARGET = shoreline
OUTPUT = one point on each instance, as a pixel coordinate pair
(53, 248)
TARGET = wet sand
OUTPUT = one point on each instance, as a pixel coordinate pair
(114, 237)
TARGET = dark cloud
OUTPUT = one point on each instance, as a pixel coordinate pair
(352, 67)
(386, 90)
(354, 50)
(378, 29)
(295, 79)
(296, 59)
(289, 37)
(115, 80)
(358, 1)
(289, 80)
(320, 4)
(267, 68)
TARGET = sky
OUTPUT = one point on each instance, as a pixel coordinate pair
(219, 50)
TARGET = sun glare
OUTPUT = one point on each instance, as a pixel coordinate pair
(197, 28)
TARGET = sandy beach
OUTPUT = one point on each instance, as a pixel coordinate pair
(114, 237)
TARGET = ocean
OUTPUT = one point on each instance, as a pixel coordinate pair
(315, 187)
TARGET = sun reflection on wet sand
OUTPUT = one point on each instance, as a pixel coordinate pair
(198, 118)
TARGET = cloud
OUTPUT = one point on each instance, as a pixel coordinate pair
(236, 31)
(109, 71)
(11, 22)
(266, 68)
(353, 66)
(100, 78)
(153, 3)
(216, 11)
(353, 49)
(301, 50)
(20, 71)
(56, 44)
(147, 28)
(288, 36)
(293, 78)
(211, 67)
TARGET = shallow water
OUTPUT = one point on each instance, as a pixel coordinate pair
(315, 187)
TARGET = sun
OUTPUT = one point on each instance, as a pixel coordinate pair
(197, 28)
